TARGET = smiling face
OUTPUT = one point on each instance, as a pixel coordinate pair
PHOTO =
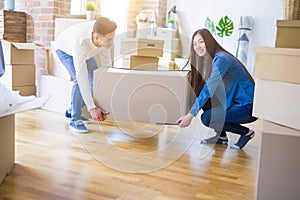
(199, 45)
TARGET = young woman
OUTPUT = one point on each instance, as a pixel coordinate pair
(224, 90)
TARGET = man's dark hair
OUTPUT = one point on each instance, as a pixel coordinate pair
(104, 26)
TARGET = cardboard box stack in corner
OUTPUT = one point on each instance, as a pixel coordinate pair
(19, 67)
(144, 53)
(161, 49)
(276, 103)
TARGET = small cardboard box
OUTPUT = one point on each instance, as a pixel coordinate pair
(143, 62)
(288, 32)
(18, 75)
(7, 134)
(143, 96)
(19, 53)
(170, 44)
(142, 47)
(277, 102)
(59, 90)
(278, 64)
(279, 163)
(165, 33)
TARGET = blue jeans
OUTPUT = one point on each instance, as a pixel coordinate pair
(77, 102)
(230, 120)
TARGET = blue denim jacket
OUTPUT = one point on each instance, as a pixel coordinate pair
(228, 81)
(2, 66)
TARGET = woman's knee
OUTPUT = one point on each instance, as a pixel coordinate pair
(205, 118)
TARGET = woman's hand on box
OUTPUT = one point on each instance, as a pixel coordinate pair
(185, 121)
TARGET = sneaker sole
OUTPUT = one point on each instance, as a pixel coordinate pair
(85, 122)
(76, 130)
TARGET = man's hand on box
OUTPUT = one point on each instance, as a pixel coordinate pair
(97, 114)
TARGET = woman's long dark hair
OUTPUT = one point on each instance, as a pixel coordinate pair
(200, 72)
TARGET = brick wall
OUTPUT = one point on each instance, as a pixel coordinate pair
(41, 15)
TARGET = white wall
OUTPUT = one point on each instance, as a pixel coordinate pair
(264, 12)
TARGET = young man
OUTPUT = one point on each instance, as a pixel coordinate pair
(76, 47)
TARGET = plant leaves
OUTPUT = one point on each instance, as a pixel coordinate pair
(209, 24)
(225, 27)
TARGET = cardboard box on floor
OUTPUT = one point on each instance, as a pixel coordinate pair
(277, 102)
(7, 134)
(59, 90)
(279, 163)
(144, 96)
(278, 64)
(288, 32)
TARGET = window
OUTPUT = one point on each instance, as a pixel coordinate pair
(77, 7)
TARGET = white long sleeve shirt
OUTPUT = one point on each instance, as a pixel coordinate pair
(77, 42)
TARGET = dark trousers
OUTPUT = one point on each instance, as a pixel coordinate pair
(228, 120)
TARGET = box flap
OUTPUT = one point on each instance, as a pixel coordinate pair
(281, 51)
(145, 40)
(288, 23)
(270, 127)
(29, 46)
(146, 72)
(28, 105)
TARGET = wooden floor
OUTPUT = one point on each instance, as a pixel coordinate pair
(54, 164)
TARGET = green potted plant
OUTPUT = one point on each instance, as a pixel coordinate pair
(171, 23)
(90, 10)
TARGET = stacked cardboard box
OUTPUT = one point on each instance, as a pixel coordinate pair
(19, 67)
(288, 32)
(172, 46)
(143, 53)
(276, 103)
(13, 26)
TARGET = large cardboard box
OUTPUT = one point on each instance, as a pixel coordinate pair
(144, 96)
(277, 102)
(19, 75)
(142, 47)
(143, 62)
(7, 134)
(278, 64)
(62, 23)
(279, 163)
(288, 32)
(57, 68)
(19, 53)
(59, 90)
